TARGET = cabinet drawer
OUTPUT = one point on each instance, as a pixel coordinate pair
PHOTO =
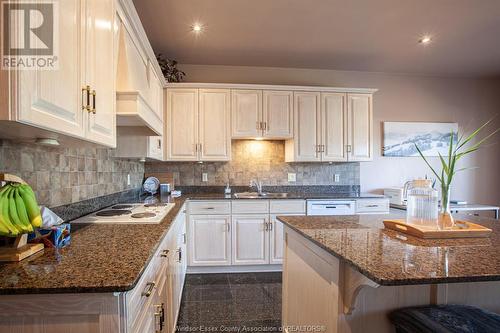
(372, 206)
(209, 207)
(250, 206)
(137, 298)
(287, 206)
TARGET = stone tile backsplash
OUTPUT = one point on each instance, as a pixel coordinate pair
(264, 160)
(66, 175)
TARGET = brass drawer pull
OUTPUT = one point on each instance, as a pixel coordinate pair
(150, 286)
(164, 253)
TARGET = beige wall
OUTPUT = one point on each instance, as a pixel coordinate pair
(400, 98)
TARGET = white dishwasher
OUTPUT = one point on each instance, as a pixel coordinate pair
(331, 207)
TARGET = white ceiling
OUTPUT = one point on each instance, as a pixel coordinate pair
(362, 35)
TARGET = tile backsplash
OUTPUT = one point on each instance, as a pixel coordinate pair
(65, 175)
(264, 160)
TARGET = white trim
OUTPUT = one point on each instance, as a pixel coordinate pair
(234, 269)
(126, 10)
(270, 87)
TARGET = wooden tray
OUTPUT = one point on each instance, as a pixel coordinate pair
(19, 250)
(462, 229)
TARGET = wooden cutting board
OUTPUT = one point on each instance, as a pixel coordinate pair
(462, 229)
(163, 177)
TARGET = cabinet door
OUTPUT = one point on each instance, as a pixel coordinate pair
(246, 111)
(182, 125)
(209, 240)
(276, 243)
(52, 99)
(100, 72)
(278, 114)
(333, 124)
(360, 127)
(250, 239)
(307, 126)
(214, 125)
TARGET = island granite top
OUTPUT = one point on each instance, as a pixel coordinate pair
(391, 258)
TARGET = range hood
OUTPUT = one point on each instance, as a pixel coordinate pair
(139, 93)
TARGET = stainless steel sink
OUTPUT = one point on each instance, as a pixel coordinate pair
(256, 195)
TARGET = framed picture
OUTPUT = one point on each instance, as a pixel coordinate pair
(432, 139)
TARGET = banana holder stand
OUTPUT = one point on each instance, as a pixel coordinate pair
(16, 249)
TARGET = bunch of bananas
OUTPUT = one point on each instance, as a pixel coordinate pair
(19, 211)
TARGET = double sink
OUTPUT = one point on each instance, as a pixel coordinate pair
(262, 195)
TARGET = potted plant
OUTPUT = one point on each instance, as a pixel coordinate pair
(169, 69)
(463, 146)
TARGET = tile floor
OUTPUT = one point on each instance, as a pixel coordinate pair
(231, 303)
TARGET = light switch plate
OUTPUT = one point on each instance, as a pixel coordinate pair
(292, 177)
(204, 177)
(337, 178)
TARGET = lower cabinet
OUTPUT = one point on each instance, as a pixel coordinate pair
(209, 240)
(250, 239)
(241, 232)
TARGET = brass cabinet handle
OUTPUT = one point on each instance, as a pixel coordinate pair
(270, 226)
(164, 253)
(184, 239)
(159, 316)
(349, 148)
(86, 98)
(200, 147)
(228, 225)
(264, 126)
(150, 286)
(259, 125)
(195, 147)
(93, 93)
(322, 148)
(159, 143)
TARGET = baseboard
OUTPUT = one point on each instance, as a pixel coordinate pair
(234, 269)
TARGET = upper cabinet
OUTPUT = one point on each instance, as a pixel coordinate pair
(256, 113)
(77, 99)
(331, 127)
(246, 113)
(197, 125)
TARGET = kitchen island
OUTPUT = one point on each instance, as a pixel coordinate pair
(346, 273)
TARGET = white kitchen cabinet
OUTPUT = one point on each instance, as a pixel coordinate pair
(78, 99)
(257, 113)
(209, 240)
(250, 239)
(359, 127)
(255, 238)
(246, 111)
(337, 129)
(198, 125)
(307, 129)
(140, 147)
(277, 114)
(333, 127)
(214, 125)
(181, 125)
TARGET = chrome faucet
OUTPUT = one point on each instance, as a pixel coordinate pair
(258, 184)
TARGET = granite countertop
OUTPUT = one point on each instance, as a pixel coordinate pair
(303, 196)
(391, 258)
(100, 258)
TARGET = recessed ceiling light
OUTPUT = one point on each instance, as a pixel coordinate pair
(197, 28)
(425, 40)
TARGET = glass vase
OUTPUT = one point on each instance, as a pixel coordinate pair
(446, 220)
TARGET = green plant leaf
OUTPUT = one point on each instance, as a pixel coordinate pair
(428, 164)
(473, 134)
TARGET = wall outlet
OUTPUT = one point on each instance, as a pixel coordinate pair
(337, 178)
(128, 179)
(204, 177)
(292, 177)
